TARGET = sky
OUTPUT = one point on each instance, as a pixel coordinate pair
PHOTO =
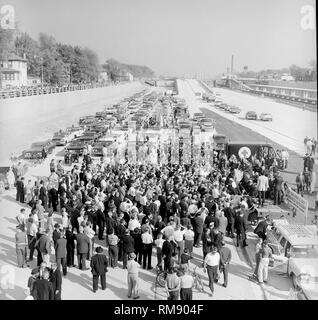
(178, 37)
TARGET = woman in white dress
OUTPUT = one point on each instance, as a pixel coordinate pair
(29, 191)
(10, 178)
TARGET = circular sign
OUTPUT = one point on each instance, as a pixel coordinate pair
(244, 152)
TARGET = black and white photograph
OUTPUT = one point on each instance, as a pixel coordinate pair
(158, 150)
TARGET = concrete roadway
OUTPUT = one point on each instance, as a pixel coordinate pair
(77, 284)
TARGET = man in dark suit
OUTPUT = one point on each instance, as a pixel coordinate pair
(100, 221)
(230, 215)
(99, 266)
(278, 186)
(20, 190)
(128, 247)
(225, 259)
(82, 248)
(261, 228)
(240, 227)
(56, 280)
(60, 253)
(43, 288)
(163, 206)
(167, 252)
(197, 229)
(56, 233)
(70, 246)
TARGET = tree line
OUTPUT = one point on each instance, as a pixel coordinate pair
(299, 73)
(58, 63)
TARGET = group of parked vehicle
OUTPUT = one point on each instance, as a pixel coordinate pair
(218, 103)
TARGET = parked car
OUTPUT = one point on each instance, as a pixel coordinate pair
(251, 115)
(295, 252)
(48, 145)
(234, 109)
(76, 147)
(32, 153)
(266, 117)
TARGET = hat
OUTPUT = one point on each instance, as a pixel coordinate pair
(132, 256)
(35, 270)
(99, 249)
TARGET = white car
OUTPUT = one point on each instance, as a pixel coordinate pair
(266, 117)
(295, 251)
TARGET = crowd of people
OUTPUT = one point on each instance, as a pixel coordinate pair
(132, 209)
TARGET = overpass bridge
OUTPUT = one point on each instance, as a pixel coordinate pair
(300, 95)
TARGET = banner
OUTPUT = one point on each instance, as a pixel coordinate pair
(298, 203)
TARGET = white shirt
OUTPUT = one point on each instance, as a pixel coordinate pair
(133, 224)
(178, 235)
(159, 243)
(189, 235)
(187, 281)
(146, 238)
(168, 231)
(65, 221)
(212, 259)
(158, 203)
(89, 232)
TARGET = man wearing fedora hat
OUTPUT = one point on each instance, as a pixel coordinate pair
(99, 266)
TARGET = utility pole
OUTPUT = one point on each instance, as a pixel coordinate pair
(232, 64)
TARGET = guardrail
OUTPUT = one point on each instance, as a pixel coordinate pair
(34, 91)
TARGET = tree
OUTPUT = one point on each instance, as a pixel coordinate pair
(24, 44)
(6, 43)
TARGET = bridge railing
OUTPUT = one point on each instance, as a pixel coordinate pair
(38, 90)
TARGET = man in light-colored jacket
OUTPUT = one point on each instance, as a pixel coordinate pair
(262, 186)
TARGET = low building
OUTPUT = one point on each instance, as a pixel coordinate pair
(287, 77)
(34, 81)
(103, 76)
(123, 76)
(13, 72)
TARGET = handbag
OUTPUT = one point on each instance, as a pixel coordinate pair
(218, 274)
(271, 262)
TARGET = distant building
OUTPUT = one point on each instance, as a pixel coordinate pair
(33, 81)
(287, 77)
(13, 72)
(123, 76)
(103, 76)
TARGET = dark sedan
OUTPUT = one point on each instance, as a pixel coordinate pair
(251, 115)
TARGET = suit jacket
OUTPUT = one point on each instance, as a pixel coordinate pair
(198, 224)
(229, 214)
(278, 183)
(99, 264)
(82, 243)
(261, 227)
(20, 186)
(56, 235)
(167, 248)
(128, 243)
(239, 224)
(44, 244)
(225, 255)
(43, 290)
(56, 279)
(262, 183)
(60, 248)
